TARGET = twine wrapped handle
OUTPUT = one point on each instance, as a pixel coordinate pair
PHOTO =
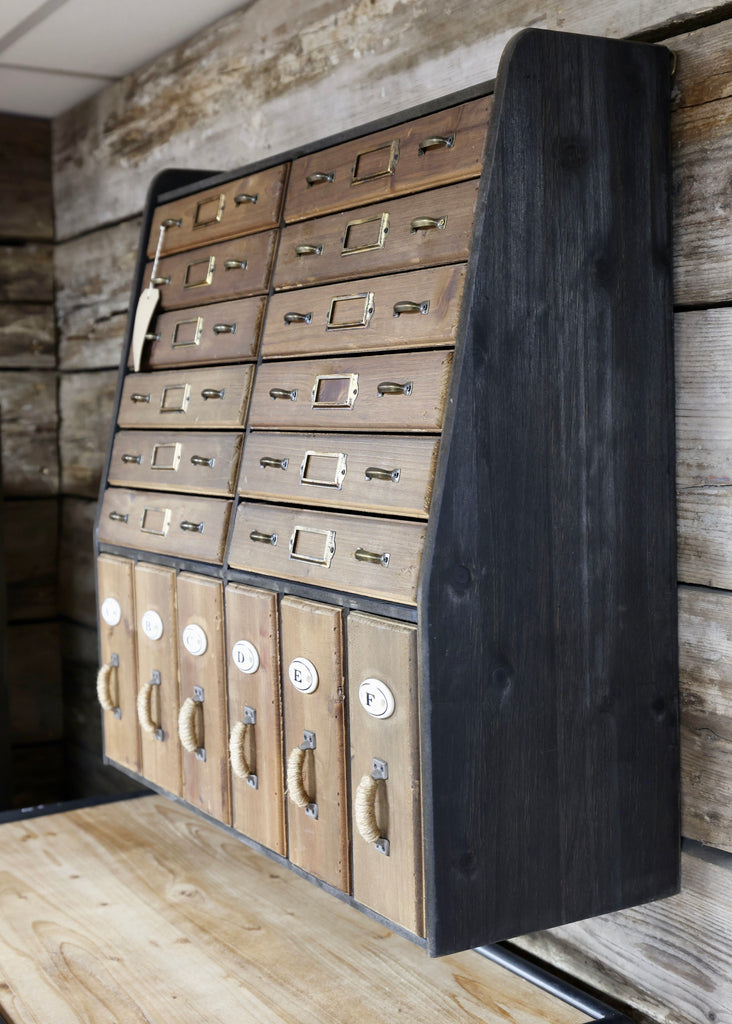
(295, 786)
(239, 764)
(144, 708)
(104, 687)
(188, 718)
(365, 809)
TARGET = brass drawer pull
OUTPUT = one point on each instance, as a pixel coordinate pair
(411, 307)
(308, 250)
(190, 527)
(246, 197)
(263, 538)
(159, 281)
(428, 224)
(375, 473)
(152, 337)
(137, 397)
(390, 387)
(119, 517)
(283, 393)
(132, 458)
(361, 555)
(224, 328)
(298, 318)
(172, 222)
(235, 264)
(320, 177)
(436, 142)
(201, 460)
(267, 462)
(212, 393)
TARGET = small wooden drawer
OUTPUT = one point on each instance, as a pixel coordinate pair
(117, 679)
(383, 474)
(173, 524)
(224, 332)
(229, 270)
(421, 154)
(157, 659)
(215, 396)
(197, 463)
(255, 715)
(373, 393)
(315, 739)
(385, 774)
(239, 207)
(422, 230)
(203, 729)
(419, 309)
(359, 554)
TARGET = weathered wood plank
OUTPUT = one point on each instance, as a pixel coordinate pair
(669, 959)
(26, 273)
(86, 403)
(258, 69)
(93, 281)
(77, 581)
(31, 551)
(27, 336)
(29, 424)
(25, 178)
(34, 679)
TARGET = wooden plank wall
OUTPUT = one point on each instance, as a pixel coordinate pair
(237, 92)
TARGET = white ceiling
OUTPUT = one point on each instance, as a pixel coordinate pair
(55, 53)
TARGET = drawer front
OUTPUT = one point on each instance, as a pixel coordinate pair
(255, 716)
(213, 396)
(117, 681)
(199, 463)
(314, 703)
(385, 775)
(229, 270)
(203, 717)
(224, 332)
(421, 154)
(373, 393)
(173, 524)
(363, 555)
(383, 474)
(419, 309)
(157, 659)
(423, 230)
(239, 207)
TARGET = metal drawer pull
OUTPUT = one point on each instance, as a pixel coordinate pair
(427, 223)
(137, 397)
(235, 264)
(298, 318)
(152, 337)
(263, 538)
(436, 142)
(361, 555)
(172, 222)
(308, 250)
(319, 177)
(201, 460)
(283, 393)
(246, 197)
(132, 458)
(267, 462)
(224, 328)
(411, 307)
(390, 387)
(190, 527)
(158, 281)
(119, 517)
(212, 393)
(374, 473)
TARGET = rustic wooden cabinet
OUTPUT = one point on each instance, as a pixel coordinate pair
(386, 543)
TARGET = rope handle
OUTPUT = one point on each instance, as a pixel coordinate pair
(187, 725)
(104, 687)
(295, 786)
(365, 809)
(144, 708)
(239, 764)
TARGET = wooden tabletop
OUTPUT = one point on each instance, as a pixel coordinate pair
(140, 912)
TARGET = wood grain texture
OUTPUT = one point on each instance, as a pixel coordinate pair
(86, 405)
(31, 545)
(30, 421)
(27, 336)
(176, 399)
(76, 577)
(26, 273)
(25, 178)
(145, 912)
(165, 460)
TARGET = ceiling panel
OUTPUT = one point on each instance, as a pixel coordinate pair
(12, 12)
(42, 94)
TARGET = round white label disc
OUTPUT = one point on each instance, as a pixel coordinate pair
(303, 675)
(245, 656)
(376, 698)
(111, 611)
(152, 625)
(194, 640)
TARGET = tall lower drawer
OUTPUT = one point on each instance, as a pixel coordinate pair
(214, 396)
(172, 524)
(199, 463)
(360, 554)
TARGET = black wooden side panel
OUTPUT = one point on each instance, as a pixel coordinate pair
(549, 611)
